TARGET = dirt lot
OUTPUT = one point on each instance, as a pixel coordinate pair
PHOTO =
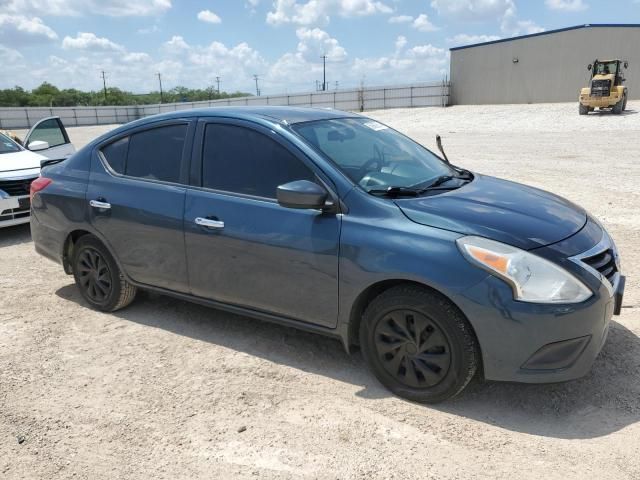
(166, 389)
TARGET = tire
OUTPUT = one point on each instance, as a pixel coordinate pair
(618, 107)
(98, 276)
(624, 105)
(583, 109)
(437, 365)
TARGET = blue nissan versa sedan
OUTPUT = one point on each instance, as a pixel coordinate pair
(332, 222)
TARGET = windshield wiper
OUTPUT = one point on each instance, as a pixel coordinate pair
(394, 191)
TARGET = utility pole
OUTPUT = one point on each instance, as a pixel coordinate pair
(255, 77)
(218, 82)
(104, 85)
(160, 81)
(324, 72)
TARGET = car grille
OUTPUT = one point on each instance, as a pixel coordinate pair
(16, 187)
(604, 263)
(600, 88)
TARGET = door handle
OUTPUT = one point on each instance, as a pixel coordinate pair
(207, 222)
(99, 204)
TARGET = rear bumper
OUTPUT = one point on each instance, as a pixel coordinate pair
(536, 343)
(47, 241)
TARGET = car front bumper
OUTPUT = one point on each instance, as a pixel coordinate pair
(537, 343)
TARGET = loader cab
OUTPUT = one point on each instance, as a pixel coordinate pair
(608, 70)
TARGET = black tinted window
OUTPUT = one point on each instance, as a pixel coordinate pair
(237, 159)
(116, 154)
(157, 153)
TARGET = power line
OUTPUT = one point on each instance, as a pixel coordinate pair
(160, 81)
(255, 77)
(104, 85)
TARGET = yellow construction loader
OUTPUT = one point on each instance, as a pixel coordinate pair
(606, 88)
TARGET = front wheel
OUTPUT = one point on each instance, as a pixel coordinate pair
(98, 276)
(418, 344)
(618, 107)
(583, 109)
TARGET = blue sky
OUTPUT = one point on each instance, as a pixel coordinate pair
(68, 42)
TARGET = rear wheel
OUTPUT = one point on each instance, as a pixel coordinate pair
(418, 344)
(624, 105)
(98, 277)
(583, 109)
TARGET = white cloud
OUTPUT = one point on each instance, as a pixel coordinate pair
(474, 10)
(566, 5)
(113, 8)
(401, 42)
(418, 63)
(176, 45)
(136, 57)
(423, 24)
(89, 41)
(9, 55)
(401, 19)
(511, 25)
(315, 42)
(209, 17)
(484, 10)
(464, 39)
(20, 30)
(318, 12)
(148, 30)
(304, 66)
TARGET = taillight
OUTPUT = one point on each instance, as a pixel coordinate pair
(38, 184)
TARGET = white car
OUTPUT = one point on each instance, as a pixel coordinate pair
(19, 166)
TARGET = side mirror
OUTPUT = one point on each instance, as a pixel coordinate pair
(302, 194)
(626, 64)
(589, 67)
(38, 145)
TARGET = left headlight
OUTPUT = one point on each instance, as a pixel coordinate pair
(532, 278)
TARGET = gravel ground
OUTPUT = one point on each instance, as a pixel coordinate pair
(167, 389)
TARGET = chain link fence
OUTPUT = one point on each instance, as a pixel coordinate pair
(434, 94)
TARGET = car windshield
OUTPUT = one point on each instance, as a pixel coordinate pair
(373, 155)
(7, 145)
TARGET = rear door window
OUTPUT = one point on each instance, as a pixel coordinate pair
(154, 154)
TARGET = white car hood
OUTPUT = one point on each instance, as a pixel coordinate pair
(19, 164)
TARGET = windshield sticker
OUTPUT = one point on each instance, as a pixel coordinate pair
(375, 126)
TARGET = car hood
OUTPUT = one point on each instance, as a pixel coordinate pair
(508, 212)
(18, 163)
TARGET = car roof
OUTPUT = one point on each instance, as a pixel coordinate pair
(271, 114)
(289, 115)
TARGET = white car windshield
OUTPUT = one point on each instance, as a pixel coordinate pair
(7, 145)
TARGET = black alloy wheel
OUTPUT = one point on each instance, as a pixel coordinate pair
(98, 276)
(94, 275)
(419, 344)
(412, 348)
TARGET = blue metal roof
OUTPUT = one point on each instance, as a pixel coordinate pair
(576, 27)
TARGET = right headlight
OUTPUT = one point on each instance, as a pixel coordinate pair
(532, 278)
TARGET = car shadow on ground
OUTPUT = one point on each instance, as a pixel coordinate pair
(605, 401)
(15, 235)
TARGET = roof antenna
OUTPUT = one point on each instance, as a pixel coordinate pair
(439, 143)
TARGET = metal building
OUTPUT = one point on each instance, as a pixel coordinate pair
(542, 67)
